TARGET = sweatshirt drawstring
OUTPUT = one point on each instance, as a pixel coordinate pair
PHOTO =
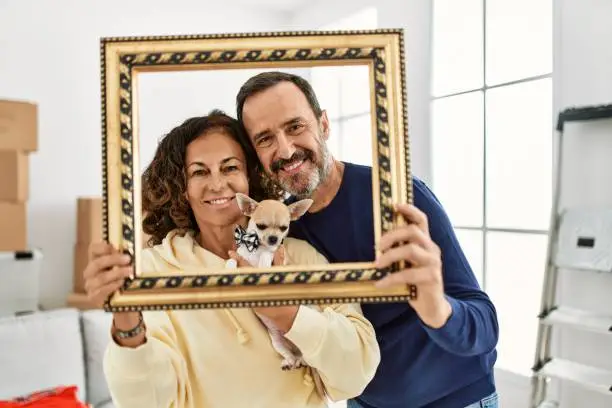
(308, 380)
(243, 336)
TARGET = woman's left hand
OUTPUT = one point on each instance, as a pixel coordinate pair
(282, 316)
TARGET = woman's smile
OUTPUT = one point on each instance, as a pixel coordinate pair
(220, 202)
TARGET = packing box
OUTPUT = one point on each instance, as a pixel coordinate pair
(89, 220)
(13, 226)
(81, 256)
(14, 176)
(89, 229)
(18, 126)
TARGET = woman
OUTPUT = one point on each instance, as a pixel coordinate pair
(218, 358)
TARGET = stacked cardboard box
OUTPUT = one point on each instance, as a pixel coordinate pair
(19, 266)
(88, 231)
(18, 139)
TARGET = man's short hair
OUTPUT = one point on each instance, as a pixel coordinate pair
(266, 80)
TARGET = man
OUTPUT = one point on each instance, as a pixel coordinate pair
(437, 351)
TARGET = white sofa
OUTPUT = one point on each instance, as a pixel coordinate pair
(53, 348)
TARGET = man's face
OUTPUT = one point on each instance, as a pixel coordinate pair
(288, 138)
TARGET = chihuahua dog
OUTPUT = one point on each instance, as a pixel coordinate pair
(267, 228)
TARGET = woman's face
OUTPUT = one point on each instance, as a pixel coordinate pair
(216, 170)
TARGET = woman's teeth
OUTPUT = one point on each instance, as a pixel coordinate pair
(219, 201)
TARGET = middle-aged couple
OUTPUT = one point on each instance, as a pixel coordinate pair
(436, 351)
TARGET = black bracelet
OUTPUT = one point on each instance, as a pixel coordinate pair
(126, 334)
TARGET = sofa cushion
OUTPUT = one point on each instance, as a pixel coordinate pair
(96, 332)
(107, 404)
(39, 351)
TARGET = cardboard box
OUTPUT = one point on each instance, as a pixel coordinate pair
(13, 226)
(14, 176)
(18, 126)
(89, 220)
(81, 257)
(80, 301)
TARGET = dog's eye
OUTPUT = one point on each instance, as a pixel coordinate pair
(283, 228)
(262, 226)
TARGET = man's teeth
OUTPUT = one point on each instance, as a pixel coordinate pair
(293, 166)
(219, 201)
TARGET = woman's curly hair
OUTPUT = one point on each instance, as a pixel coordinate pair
(164, 182)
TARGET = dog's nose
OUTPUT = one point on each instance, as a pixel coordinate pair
(272, 240)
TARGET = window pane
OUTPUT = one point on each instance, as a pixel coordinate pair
(519, 39)
(335, 137)
(356, 142)
(515, 272)
(325, 82)
(457, 46)
(457, 146)
(355, 90)
(471, 244)
(519, 155)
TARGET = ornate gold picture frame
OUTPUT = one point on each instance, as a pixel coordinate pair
(124, 59)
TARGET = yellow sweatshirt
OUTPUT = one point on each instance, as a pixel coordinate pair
(223, 358)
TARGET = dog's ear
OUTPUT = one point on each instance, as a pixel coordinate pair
(299, 208)
(247, 204)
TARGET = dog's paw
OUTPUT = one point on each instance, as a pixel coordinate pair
(300, 363)
(292, 364)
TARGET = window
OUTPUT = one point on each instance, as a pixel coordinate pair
(492, 128)
(344, 92)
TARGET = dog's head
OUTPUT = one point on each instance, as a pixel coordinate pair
(270, 218)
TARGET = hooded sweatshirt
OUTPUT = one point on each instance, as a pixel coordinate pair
(223, 358)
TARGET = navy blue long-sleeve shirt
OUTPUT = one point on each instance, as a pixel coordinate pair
(449, 367)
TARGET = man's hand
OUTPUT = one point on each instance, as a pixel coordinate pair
(423, 265)
(282, 316)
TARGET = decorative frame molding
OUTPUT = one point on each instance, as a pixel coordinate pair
(124, 58)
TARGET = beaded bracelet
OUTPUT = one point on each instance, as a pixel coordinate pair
(126, 334)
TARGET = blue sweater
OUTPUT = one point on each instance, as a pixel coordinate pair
(450, 367)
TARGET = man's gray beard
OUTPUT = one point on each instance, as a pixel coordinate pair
(315, 178)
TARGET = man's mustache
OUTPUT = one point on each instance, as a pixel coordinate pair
(299, 155)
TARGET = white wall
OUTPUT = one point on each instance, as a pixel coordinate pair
(49, 54)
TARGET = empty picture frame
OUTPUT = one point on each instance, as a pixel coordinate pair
(129, 65)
